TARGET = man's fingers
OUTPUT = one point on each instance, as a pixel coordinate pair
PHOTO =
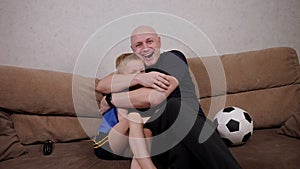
(163, 80)
(162, 85)
(156, 87)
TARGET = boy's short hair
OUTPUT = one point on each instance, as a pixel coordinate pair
(123, 59)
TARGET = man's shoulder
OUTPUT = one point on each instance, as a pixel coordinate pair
(175, 53)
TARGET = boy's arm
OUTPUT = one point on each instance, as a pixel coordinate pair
(140, 98)
(118, 82)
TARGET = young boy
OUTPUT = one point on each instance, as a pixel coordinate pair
(111, 140)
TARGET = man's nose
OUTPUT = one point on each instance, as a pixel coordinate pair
(145, 48)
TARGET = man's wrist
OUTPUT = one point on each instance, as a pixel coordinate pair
(108, 99)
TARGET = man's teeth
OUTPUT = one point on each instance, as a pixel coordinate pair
(148, 55)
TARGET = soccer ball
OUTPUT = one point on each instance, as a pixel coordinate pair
(234, 125)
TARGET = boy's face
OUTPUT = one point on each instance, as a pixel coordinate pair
(134, 66)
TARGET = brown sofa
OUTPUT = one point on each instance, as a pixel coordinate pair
(40, 105)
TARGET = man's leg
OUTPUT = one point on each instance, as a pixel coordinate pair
(180, 158)
(158, 123)
(212, 153)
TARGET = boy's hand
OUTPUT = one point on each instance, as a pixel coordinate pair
(104, 107)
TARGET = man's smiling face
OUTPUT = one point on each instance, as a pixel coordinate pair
(146, 44)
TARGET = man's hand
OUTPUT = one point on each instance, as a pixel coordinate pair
(155, 80)
(104, 107)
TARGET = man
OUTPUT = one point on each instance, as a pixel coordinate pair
(179, 122)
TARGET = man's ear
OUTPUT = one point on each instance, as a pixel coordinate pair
(159, 42)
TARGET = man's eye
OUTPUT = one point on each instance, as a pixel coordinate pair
(150, 41)
(137, 45)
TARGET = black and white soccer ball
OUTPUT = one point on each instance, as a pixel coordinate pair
(234, 125)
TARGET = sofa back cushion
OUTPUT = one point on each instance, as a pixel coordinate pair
(262, 82)
(32, 91)
(48, 105)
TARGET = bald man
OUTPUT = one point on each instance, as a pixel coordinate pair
(178, 123)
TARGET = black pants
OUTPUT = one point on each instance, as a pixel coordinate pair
(183, 125)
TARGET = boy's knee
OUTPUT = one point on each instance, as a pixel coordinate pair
(135, 117)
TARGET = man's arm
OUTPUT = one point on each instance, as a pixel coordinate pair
(118, 82)
(140, 98)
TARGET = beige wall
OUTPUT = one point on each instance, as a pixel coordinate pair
(50, 34)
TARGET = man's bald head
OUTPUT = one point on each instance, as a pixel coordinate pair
(143, 29)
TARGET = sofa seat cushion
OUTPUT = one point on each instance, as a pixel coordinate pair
(292, 126)
(268, 149)
(35, 128)
(10, 147)
(75, 155)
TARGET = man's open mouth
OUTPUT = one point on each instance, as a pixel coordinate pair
(149, 55)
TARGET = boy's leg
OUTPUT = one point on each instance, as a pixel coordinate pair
(135, 164)
(118, 137)
(122, 113)
(139, 144)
